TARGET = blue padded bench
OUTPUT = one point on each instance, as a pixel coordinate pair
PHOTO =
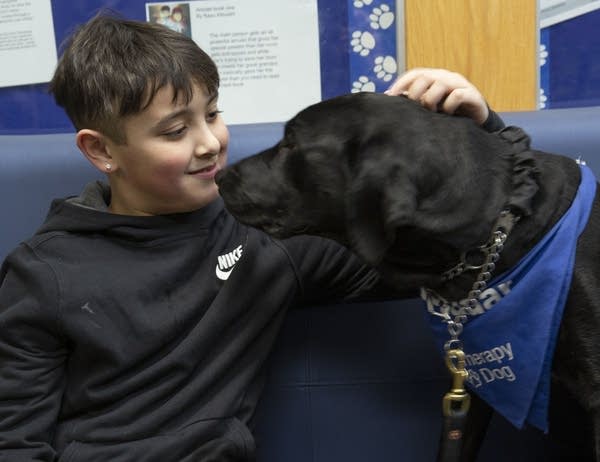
(347, 383)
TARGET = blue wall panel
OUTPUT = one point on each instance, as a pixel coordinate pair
(571, 74)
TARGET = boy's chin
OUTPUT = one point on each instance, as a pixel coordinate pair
(207, 197)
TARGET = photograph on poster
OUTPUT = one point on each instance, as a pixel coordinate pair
(26, 42)
(257, 52)
(175, 16)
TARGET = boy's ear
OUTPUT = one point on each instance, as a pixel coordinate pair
(93, 145)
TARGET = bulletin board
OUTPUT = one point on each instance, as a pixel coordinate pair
(355, 51)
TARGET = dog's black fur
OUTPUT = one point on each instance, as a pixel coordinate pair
(409, 190)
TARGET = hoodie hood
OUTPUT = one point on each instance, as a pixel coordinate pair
(88, 213)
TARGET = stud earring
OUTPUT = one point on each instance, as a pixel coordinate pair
(107, 166)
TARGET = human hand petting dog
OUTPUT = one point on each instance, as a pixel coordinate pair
(442, 90)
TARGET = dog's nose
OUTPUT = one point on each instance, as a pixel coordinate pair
(228, 180)
(228, 175)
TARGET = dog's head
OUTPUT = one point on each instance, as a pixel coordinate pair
(364, 169)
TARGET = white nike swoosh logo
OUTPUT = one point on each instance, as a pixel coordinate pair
(223, 275)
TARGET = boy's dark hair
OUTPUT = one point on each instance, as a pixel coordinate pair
(112, 67)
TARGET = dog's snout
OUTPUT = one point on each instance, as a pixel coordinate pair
(227, 178)
(222, 175)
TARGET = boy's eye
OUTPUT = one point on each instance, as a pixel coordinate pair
(175, 133)
(212, 115)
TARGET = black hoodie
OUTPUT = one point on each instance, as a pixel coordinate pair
(129, 338)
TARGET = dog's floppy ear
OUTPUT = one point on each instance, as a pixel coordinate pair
(382, 197)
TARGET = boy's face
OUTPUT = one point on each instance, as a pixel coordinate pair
(172, 154)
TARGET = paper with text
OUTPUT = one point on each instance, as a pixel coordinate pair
(27, 43)
(267, 52)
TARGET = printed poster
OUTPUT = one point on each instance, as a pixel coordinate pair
(27, 42)
(267, 52)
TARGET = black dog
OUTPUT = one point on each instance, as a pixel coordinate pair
(411, 191)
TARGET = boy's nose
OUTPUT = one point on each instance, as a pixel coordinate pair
(206, 142)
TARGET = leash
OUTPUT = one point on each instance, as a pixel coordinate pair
(455, 314)
(455, 406)
(456, 403)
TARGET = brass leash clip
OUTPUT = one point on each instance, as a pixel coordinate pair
(457, 401)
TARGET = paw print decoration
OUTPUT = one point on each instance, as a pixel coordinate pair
(362, 42)
(385, 67)
(382, 17)
(372, 45)
(362, 84)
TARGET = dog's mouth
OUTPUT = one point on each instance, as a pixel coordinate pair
(273, 222)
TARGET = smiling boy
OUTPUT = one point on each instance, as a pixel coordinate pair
(136, 322)
(171, 153)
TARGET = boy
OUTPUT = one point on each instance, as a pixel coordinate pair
(136, 321)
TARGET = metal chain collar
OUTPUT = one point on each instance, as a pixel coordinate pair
(491, 252)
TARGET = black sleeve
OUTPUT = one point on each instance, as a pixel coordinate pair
(32, 359)
(493, 123)
(329, 272)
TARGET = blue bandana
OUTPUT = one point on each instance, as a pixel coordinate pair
(510, 336)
